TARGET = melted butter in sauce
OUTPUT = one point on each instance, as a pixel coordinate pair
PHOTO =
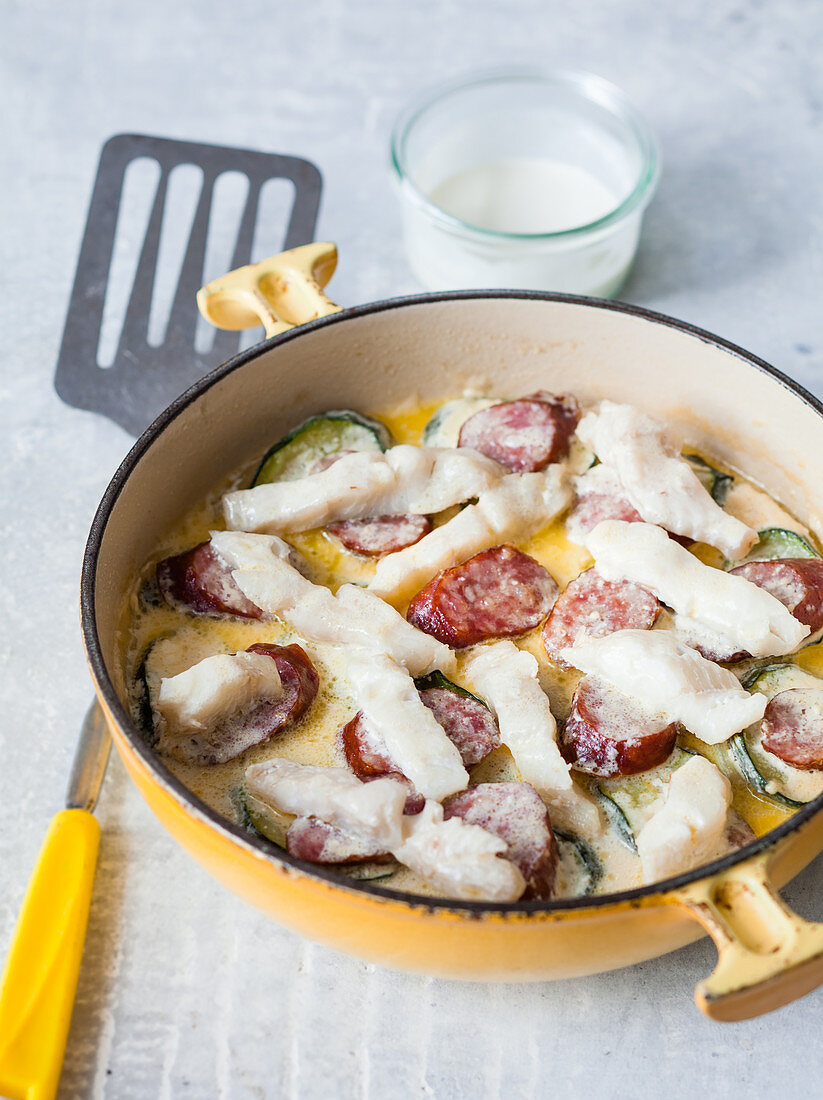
(314, 740)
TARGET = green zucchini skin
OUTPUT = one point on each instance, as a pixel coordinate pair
(436, 679)
(586, 857)
(258, 818)
(141, 695)
(626, 799)
(292, 456)
(749, 771)
(779, 542)
(713, 480)
(616, 818)
(364, 872)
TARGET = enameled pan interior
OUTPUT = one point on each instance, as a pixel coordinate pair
(432, 347)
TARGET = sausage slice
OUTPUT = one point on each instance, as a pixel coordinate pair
(238, 732)
(608, 734)
(792, 727)
(367, 757)
(200, 581)
(499, 593)
(381, 534)
(516, 813)
(466, 722)
(595, 507)
(469, 724)
(525, 435)
(592, 607)
(314, 840)
(796, 582)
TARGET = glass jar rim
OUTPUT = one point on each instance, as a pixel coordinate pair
(589, 86)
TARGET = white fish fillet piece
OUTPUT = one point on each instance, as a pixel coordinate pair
(404, 479)
(514, 509)
(351, 617)
(462, 862)
(415, 740)
(506, 678)
(215, 687)
(731, 608)
(669, 679)
(372, 811)
(660, 484)
(689, 828)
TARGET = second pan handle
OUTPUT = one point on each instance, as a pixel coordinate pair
(279, 292)
(767, 954)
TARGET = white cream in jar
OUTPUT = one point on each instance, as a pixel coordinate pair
(526, 180)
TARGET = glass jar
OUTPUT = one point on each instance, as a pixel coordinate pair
(527, 179)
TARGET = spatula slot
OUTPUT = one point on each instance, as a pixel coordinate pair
(139, 190)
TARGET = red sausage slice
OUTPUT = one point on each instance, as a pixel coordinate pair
(382, 534)
(793, 727)
(469, 725)
(595, 507)
(524, 435)
(200, 581)
(378, 534)
(365, 750)
(796, 582)
(498, 593)
(313, 840)
(592, 607)
(607, 734)
(239, 732)
(515, 812)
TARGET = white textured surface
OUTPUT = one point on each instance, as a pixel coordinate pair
(185, 992)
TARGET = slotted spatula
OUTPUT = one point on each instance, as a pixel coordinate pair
(143, 379)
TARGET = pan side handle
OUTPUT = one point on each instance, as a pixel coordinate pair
(768, 956)
(279, 292)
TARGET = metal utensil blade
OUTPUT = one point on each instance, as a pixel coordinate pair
(90, 760)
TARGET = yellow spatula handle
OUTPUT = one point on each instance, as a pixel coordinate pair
(40, 978)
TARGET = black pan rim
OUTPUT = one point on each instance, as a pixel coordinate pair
(260, 846)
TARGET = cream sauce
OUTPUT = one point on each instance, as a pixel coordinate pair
(314, 739)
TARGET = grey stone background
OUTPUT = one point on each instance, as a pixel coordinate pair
(186, 992)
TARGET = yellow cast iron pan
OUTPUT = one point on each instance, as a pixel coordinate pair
(429, 347)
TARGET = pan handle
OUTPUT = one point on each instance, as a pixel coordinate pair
(279, 293)
(768, 956)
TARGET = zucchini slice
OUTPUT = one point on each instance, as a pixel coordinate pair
(714, 481)
(764, 772)
(579, 860)
(759, 780)
(443, 429)
(778, 542)
(616, 817)
(633, 796)
(141, 699)
(337, 430)
(363, 872)
(260, 818)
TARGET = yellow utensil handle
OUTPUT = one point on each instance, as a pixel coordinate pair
(40, 978)
(767, 954)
